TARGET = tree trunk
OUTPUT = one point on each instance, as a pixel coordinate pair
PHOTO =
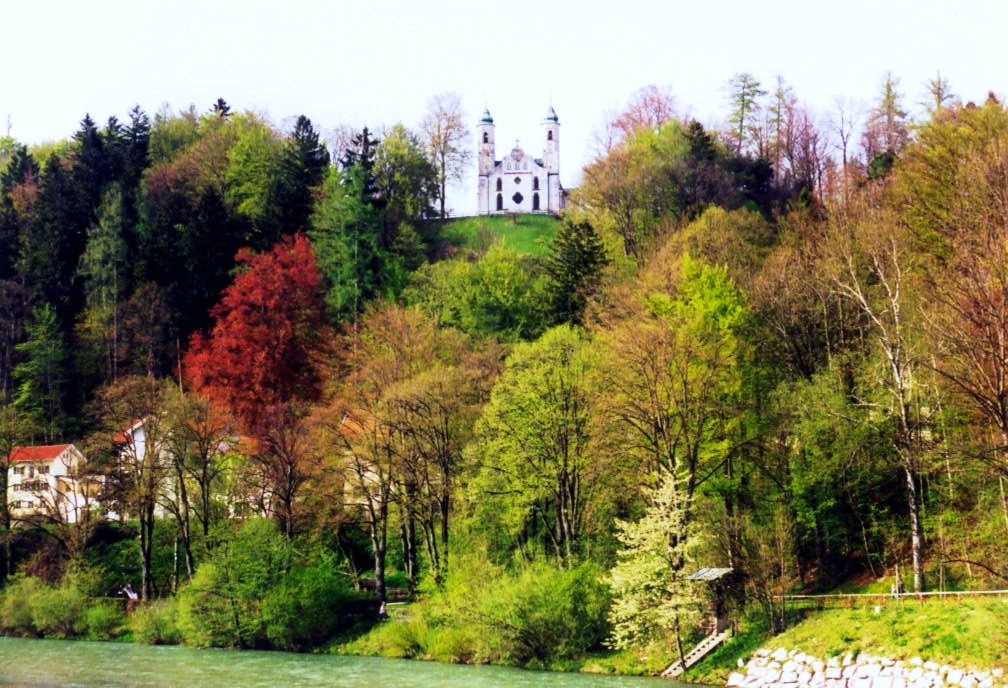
(146, 547)
(916, 531)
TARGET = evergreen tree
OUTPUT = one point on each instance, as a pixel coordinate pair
(574, 268)
(303, 167)
(21, 170)
(92, 167)
(41, 376)
(52, 243)
(102, 268)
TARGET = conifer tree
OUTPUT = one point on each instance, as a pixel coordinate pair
(41, 376)
(574, 267)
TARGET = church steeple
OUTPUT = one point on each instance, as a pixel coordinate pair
(485, 142)
(551, 148)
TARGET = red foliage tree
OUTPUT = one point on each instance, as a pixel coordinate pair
(258, 358)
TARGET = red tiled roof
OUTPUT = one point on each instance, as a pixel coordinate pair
(123, 436)
(42, 453)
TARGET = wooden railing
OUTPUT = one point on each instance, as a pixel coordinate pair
(879, 598)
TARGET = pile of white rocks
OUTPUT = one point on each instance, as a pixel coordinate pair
(782, 669)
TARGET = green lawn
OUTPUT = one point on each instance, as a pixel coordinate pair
(968, 634)
(525, 233)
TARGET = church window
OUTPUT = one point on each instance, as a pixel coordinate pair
(517, 180)
(486, 137)
(518, 198)
(549, 135)
(500, 202)
(535, 201)
(535, 183)
(499, 187)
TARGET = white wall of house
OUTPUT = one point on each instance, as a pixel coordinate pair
(49, 482)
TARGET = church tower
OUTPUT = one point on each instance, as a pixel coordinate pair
(551, 150)
(551, 160)
(485, 162)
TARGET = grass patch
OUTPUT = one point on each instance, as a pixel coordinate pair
(971, 633)
(528, 234)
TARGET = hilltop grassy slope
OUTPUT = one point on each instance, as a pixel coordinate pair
(524, 233)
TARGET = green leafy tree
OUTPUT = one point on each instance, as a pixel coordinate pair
(407, 185)
(502, 294)
(875, 271)
(538, 474)
(254, 162)
(677, 367)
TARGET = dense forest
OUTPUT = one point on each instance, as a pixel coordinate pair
(779, 347)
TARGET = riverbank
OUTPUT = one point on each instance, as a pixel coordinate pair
(783, 669)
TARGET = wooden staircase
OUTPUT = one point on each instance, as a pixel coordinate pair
(704, 648)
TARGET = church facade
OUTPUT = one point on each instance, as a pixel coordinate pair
(519, 183)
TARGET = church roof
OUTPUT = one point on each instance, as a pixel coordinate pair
(551, 115)
(486, 118)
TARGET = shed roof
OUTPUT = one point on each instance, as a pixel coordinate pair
(708, 575)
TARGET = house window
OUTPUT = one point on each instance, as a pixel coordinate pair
(499, 186)
(500, 200)
(486, 137)
(535, 183)
(535, 201)
(43, 470)
(18, 470)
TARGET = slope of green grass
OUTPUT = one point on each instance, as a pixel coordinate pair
(529, 234)
(968, 633)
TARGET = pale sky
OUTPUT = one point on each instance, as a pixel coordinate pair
(377, 62)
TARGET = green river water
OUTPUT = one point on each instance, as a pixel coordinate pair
(90, 664)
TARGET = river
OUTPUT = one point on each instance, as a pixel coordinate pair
(111, 665)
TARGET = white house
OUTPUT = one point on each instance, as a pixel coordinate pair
(519, 183)
(50, 481)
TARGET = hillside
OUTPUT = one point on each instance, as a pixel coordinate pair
(524, 233)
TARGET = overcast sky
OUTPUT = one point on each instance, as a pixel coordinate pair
(377, 62)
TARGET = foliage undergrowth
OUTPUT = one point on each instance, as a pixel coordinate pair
(73, 609)
(535, 616)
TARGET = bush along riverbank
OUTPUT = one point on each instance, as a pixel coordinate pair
(783, 669)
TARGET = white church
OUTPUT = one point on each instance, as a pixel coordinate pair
(519, 183)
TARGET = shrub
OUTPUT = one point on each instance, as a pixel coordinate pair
(16, 605)
(103, 620)
(58, 612)
(306, 607)
(208, 613)
(156, 623)
(543, 614)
